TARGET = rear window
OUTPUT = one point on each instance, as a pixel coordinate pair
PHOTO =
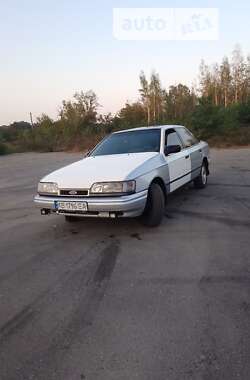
(187, 137)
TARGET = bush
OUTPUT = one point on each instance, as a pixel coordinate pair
(3, 149)
(209, 120)
(244, 113)
(239, 137)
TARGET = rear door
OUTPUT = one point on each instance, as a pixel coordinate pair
(179, 164)
(192, 146)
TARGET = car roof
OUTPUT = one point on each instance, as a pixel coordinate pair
(164, 127)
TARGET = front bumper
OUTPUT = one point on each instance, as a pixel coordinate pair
(124, 206)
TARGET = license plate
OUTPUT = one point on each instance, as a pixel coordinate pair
(71, 206)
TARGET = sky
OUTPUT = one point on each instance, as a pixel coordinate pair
(51, 49)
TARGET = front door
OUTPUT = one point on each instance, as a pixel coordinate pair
(179, 164)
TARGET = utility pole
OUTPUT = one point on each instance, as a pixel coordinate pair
(31, 121)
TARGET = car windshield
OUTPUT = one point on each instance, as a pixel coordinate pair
(129, 142)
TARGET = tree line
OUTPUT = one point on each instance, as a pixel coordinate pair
(222, 84)
(217, 109)
(227, 83)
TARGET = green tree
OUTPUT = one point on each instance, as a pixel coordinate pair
(81, 112)
(179, 102)
(44, 121)
(225, 80)
(145, 95)
(238, 73)
(132, 115)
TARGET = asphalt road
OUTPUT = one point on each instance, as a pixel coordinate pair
(109, 300)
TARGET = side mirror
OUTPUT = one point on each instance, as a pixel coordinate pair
(172, 149)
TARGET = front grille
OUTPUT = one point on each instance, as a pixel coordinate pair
(74, 192)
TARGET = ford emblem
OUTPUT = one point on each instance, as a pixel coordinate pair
(73, 192)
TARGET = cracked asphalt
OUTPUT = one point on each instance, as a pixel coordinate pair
(111, 299)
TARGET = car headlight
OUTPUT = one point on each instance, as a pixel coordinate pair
(47, 188)
(126, 187)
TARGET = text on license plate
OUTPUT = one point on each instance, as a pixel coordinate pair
(71, 206)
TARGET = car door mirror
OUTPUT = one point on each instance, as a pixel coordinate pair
(170, 149)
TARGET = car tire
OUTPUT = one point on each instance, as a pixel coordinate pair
(155, 206)
(201, 181)
(71, 219)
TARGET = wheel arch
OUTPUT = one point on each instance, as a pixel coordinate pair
(161, 183)
(205, 160)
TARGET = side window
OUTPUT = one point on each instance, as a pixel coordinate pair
(187, 137)
(171, 138)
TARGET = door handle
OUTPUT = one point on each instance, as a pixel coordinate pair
(187, 156)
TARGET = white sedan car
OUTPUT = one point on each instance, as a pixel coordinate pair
(128, 174)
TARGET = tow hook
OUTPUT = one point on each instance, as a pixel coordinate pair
(45, 211)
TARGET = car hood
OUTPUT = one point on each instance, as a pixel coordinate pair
(117, 167)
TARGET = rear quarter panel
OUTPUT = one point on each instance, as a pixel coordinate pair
(197, 154)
